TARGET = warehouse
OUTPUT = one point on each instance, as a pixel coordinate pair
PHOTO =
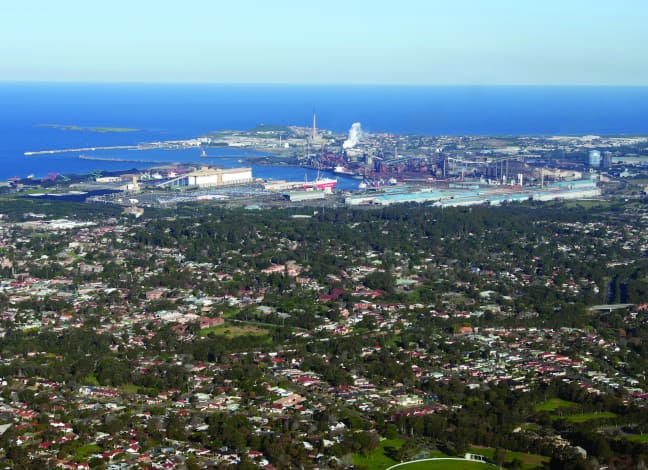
(205, 177)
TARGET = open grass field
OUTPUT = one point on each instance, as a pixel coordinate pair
(377, 459)
(553, 404)
(529, 461)
(380, 459)
(86, 450)
(91, 380)
(445, 465)
(128, 388)
(232, 331)
(584, 417)
(638, 438)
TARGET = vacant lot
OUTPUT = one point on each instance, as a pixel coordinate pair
(554, 404)
(232, 331)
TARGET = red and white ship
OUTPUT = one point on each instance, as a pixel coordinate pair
(321, 184)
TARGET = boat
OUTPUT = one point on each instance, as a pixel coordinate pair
(342, 170)
(321, 184)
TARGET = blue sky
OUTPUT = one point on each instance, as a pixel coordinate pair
(452, 42)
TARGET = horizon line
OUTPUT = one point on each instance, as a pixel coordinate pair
(329, 84)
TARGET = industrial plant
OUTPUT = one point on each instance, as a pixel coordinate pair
(379, 169)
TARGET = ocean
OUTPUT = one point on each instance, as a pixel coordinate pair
(165, 112)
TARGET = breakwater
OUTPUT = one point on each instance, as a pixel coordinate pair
(123, 160)
(82, 149)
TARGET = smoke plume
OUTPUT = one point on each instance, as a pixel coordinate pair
(355, 135)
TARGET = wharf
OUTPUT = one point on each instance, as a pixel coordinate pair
(123, 160)
(82, 149)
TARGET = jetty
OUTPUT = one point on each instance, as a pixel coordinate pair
(123, 160)
(84, 149)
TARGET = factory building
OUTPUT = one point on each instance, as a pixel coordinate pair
(301, 196)
(494, 195)
(206, 177)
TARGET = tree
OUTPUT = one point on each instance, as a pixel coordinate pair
(380, 280)
(366, 441)
(175, 428)
(498, 456)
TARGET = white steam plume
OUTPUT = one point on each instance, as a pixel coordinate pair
(355, 135)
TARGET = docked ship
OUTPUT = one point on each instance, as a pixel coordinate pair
(321, 184)
(342, 170)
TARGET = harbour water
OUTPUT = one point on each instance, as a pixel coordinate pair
(165, 112)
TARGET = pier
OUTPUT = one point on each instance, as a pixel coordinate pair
(248, 157)
(170, 144)
(84, 149)
(123, 160)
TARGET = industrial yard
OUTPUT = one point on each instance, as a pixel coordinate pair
(366, 169)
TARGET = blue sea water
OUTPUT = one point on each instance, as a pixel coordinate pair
(164, 112)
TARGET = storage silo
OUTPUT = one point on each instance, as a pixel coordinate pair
(594, 159)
